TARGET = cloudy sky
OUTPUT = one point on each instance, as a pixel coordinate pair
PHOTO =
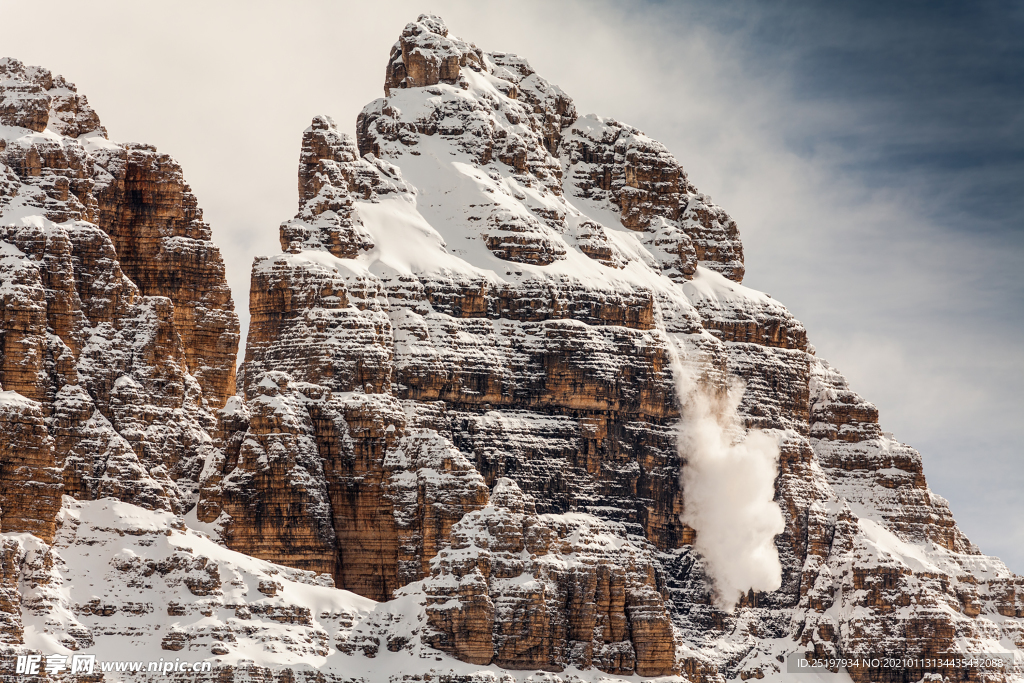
(872, 153)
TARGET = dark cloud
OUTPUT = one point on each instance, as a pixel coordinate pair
(918, 110)
(931, 89)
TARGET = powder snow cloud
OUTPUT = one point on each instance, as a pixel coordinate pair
(729, 488)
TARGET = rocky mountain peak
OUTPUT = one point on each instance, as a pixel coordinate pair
(425, 55)
(34, 98)
(496, 109)
(480, 374)
(486, 313)
(118, 335)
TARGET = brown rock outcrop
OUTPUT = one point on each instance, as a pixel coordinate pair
(615, 165)
(33, 97)
(459, 396)
(116, 324)
(546, 592)
(164, 247)
(425, 55)
(30, 484)
(11, 627)
(451, 326)
(325, 324)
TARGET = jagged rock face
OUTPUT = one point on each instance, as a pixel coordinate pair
(140, 200)
(454, 361)
(118, 333)
(544, 592)
(425, 55)
(487, 291)
(330, 175)
(34, 98)
(30, 484)
(459, 396)
(889, 570)
(164, 247)
(613, 164)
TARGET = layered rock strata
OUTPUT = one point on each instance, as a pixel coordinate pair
(460, 399)
(117, 329)
(549, 591)
(510, 286)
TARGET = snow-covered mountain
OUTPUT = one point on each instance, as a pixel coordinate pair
(506, 413)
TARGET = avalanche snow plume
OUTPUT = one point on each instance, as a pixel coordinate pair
(728, 480)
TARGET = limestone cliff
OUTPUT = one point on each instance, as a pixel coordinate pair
(457, 428)
(486, 290)
(117, 330)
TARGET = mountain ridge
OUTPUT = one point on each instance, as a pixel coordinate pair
(461, 374)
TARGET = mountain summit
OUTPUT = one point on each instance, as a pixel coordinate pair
(506, 408)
